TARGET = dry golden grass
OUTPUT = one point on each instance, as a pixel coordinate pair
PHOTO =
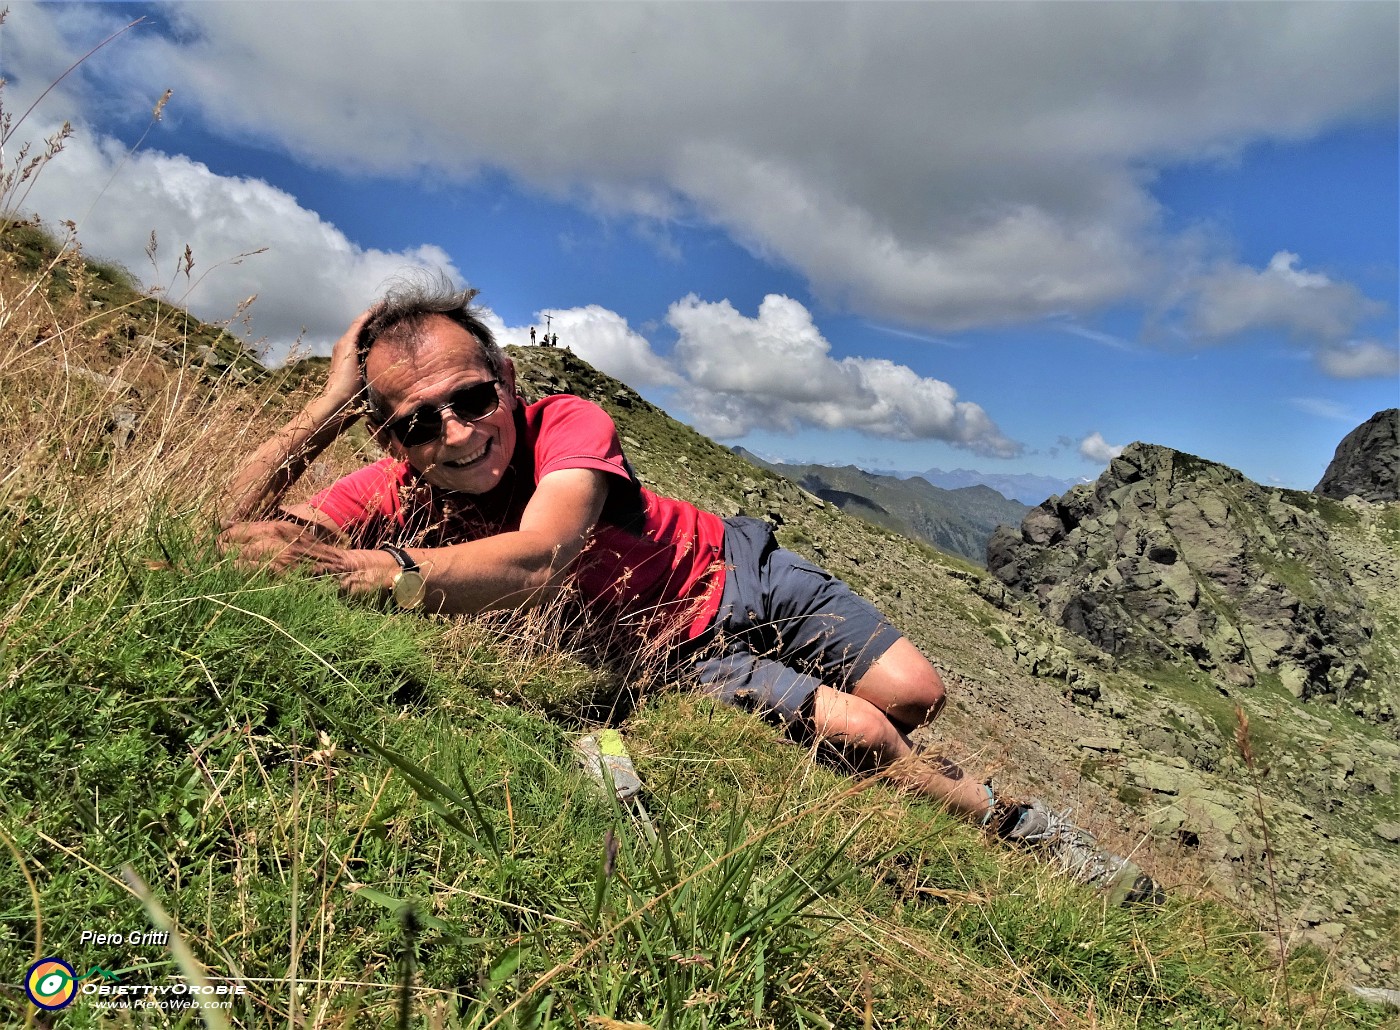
(104, 411)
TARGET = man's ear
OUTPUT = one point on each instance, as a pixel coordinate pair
(375, 425)
(386, 440)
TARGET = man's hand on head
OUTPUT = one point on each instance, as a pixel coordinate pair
(269, 472)
(345, 382)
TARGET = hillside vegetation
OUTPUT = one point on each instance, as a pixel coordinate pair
(366, 818)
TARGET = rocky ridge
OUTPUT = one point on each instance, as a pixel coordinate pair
(1167, 557)
(1367, 462)
(1202, 612)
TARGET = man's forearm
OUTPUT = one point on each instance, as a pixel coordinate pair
(274, 467)
(511, 571)
(525, 567)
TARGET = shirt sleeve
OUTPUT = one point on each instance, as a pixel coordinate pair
(364, 496)
(575, 433)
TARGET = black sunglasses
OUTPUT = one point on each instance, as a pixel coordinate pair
(423, 425)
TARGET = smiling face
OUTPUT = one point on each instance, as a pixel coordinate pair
(467, 457)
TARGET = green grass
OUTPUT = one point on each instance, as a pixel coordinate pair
(372, 819)
(293, 775)
(1388, 524)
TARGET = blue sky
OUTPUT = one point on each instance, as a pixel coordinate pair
(1011, 237)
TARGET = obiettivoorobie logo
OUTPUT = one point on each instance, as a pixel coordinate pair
(51, 983)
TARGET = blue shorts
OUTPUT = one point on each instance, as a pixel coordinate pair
(784, 628)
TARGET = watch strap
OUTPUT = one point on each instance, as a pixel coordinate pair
(401, 556)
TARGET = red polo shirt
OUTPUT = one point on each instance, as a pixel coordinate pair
(654, 563)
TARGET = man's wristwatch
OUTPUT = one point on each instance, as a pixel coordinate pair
(409, 585)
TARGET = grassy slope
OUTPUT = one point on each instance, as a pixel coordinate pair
(286, 770)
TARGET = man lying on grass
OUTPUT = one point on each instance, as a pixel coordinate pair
(486, 502)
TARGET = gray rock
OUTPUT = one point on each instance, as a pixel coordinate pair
(209, 357)
(1388, 831)
(1377, 779)
(1377, 996)
(1367, 462)
(1169, 557)
(1158, 778)
(116, 385)
(121, 426)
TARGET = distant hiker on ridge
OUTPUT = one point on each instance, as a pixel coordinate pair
(486, 502)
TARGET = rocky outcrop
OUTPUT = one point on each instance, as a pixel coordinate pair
(1168, 557)
(1367, 462)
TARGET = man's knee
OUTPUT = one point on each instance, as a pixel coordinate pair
(904, 684)
(923, 683)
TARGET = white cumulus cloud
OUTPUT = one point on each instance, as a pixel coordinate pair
(733, 374)
(776, 371)
(1283, 295)
(1098, 450)
(1360, 359)
(307, 275)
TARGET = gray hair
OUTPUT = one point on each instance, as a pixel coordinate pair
(410, 302)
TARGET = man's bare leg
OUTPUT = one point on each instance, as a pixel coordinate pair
(901, 692)
(869, 740)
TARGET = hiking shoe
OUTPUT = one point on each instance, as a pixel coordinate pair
(1076, 853)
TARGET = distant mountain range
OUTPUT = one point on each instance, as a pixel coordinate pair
(1026, 488)
(959, 521)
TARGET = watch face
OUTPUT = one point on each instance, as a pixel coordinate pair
(409, 589)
